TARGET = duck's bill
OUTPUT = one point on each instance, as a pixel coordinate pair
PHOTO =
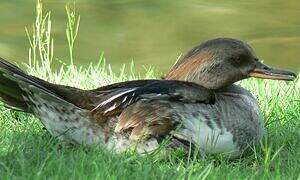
(263, 71)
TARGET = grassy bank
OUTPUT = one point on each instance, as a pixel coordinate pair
(27, 151)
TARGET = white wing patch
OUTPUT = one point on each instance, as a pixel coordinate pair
(111, 99)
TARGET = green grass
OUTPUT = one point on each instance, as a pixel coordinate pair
(27, 151)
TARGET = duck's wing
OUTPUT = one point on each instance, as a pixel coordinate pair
(115, 100)
(148, 118)
(126, 84)
(147, 110)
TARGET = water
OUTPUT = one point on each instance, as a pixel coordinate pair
(155, 33)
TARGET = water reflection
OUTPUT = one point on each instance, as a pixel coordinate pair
(157, 32)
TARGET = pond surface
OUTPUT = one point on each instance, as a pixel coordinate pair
(155, 33)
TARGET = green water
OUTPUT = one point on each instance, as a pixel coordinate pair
(156, 32)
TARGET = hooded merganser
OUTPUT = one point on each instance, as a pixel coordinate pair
(195, 104)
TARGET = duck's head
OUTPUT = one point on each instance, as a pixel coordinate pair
(220, 62)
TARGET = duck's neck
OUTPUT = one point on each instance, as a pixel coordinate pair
(231, 88)
(234, 89)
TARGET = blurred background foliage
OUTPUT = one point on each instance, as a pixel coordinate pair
(156, 32)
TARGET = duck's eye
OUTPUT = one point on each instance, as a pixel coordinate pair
(256, 59)
(238, 59)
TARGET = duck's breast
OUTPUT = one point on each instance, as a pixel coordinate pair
(228, 126)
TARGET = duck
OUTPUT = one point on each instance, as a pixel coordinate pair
(196, 105)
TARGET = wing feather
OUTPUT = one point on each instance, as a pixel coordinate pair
(170, 90)
(146, 110)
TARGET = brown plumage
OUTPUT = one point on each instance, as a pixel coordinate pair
(191, 63)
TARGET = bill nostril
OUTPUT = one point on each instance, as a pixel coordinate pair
(266, 68)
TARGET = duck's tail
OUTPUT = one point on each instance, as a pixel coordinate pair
(11, 92)
(20, 91)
